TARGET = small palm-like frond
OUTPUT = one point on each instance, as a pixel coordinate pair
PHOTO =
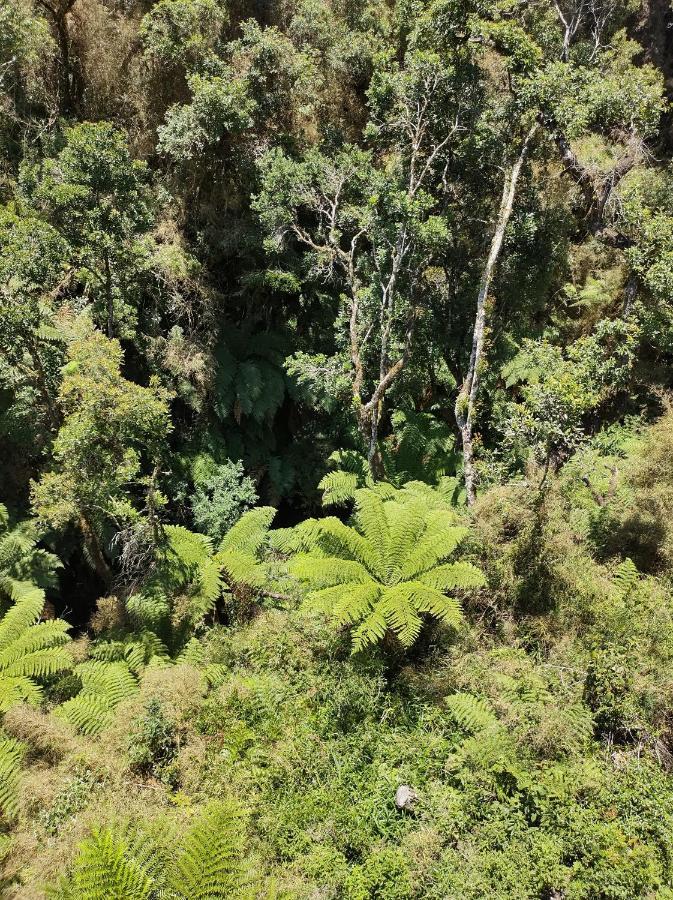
(137, 651)
(107, 868)
(11, 753)
(338, 487)
(128, 862)
(626, 578)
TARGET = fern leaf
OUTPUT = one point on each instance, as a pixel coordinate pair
(209, 865)
(452, 576)
(328, 571)
(472, 713)
(338, 488)
(11, 753)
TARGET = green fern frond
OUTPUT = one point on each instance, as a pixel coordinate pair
(29, 650)
(104, 686)
(209, 864)
(473, 714)
(137, 651)
(249, 534)
(454, 576)
(86, 712)
(23, 565)
(11, 754)
(338, 488)
(148, 863)
(371, 520)
(625, 578)
(434, 546)
(328, 571)
(106, 868)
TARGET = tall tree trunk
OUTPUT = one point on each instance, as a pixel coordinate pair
(94, 550)
(467, 396)
(108, 297)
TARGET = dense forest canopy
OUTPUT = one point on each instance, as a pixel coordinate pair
(336, 494)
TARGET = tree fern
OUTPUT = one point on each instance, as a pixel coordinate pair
(104, 686)
(386, 570)
(11, 753)
(30, 650)
(185, 569)
(239, 554)
(350, 474)
(23, 565)
(136, 863)
(137, 650)
(422, 447)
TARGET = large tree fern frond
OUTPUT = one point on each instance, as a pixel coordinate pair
(29, 650)
(371, 520)
(104, 686)
(21, 616)
(454, 576)
(328, 571)
(250, 533)
(435, 546)
(337, 539)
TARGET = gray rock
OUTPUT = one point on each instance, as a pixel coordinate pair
(405, 798)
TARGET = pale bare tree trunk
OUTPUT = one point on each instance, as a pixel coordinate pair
(467, 397)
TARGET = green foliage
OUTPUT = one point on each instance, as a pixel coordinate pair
(559, 390)
(104, 686)
(74, 797)
(95, 196)
(135, 862)
(181, 589)
(221, 494)
(471, 713)
(153, 743)
(30, 650)
(220, 105)
(183, 32)
(22, 563)
(240, 554)
(111, 425)
(11, 753)
(386, 570)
